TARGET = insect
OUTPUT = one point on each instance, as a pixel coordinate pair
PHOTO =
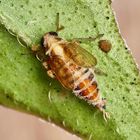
(72, 66)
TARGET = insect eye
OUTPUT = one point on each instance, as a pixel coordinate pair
(53, 33)
(104, 107)
(42, 41)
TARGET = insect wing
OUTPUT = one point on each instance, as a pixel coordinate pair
(79, 55)
(62, 72)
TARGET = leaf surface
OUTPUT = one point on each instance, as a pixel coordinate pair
(24, 84)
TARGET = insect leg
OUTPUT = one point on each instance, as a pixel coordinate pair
(45, 65)
(50, 74)
(58, 26)
(99, 72)
(39, 52)
(35, 48)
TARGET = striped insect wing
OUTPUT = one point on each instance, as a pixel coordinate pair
(63, 71)
(79, 55)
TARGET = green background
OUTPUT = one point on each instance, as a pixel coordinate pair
(24, 84)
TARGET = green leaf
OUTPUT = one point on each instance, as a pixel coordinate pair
(24, 84)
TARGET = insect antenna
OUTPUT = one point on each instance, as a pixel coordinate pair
(58, 26)
(42, 41)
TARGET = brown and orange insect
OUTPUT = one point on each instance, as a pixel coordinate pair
(73, 67)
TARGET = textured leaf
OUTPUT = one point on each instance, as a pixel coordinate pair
(25, 86)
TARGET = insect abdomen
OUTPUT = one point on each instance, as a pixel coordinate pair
(87, 88)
